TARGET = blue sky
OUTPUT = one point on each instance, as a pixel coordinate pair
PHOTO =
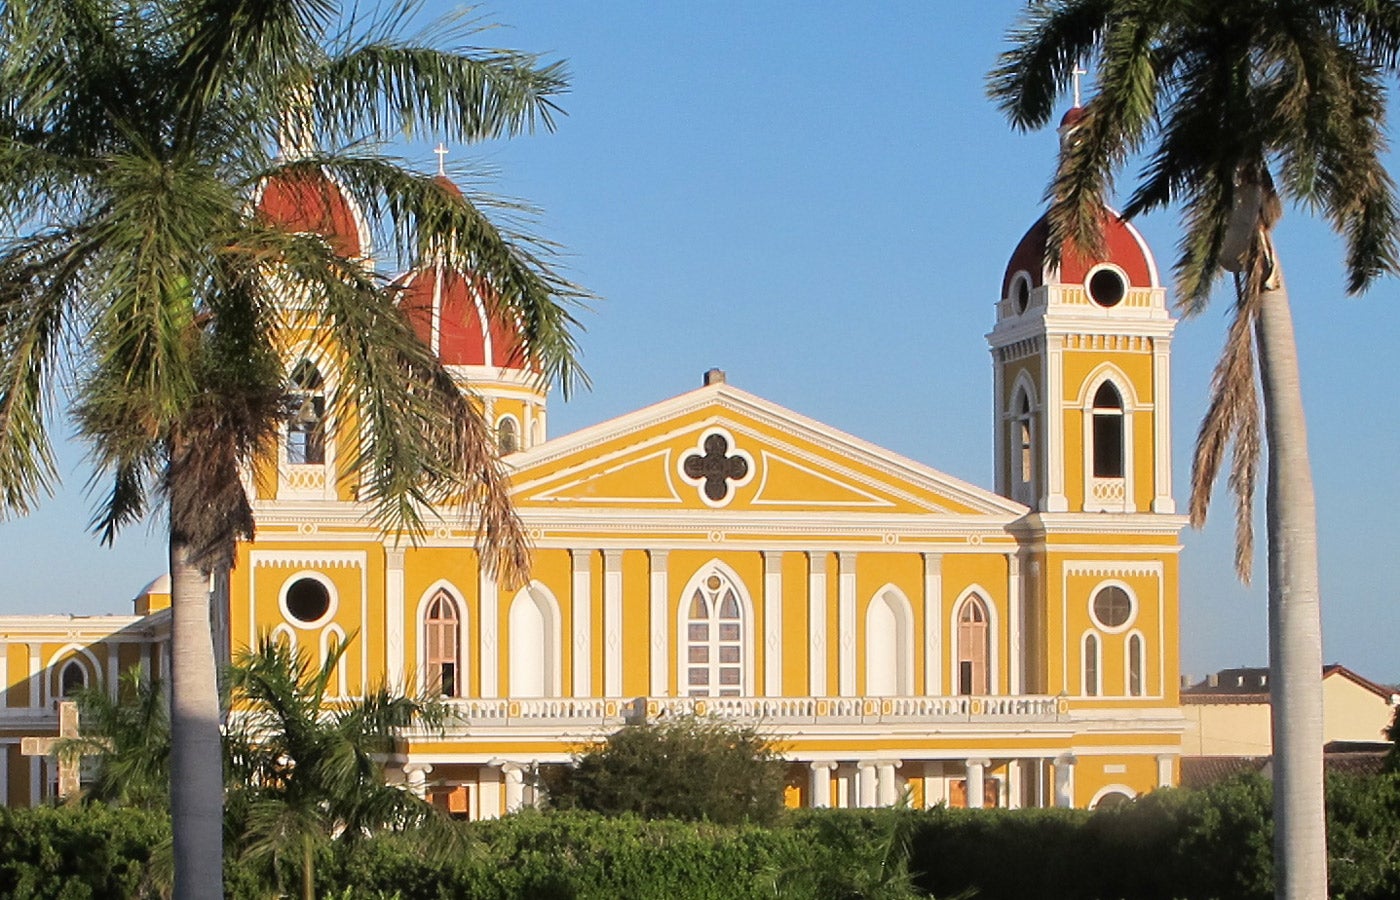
(818, 199)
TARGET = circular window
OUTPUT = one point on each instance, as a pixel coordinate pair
(1112, 607)
(1021, 292)
(307, 600)
(1107, 288)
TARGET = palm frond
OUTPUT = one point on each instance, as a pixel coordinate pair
(1046, 45)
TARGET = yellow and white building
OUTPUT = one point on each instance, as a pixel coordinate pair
(897, 631)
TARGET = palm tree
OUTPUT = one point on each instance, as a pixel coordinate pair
(1237, 105)
(306, 767)
(128, 738)
(134, 137)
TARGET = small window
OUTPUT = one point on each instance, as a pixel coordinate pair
(507, 436)
(1135, 667)
(1021, 292)
(306, 414)
(442, 656)
(1091, 665)
(73, 679)
(974, 648)
(1023, 442)
(308, 600)
(1107, 288)
(1108, 432)
(1112, 607)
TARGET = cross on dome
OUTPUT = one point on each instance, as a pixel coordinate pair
(441, 151)
(1074, 74)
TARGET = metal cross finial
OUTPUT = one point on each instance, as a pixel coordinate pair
(1075, 73)
(441, 150)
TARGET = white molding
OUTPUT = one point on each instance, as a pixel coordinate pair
(341, 679)
(660, 653)
(846, 624)
(902, 610)
(1054, 376)
(420, 625)
(332, 606)
(1084, 685)
(394, 652)
(1015, 620)
(816, 624)
(1111, 789)
(731, 485)
(612, 623)
(1128, 664)
(933, 624)
(488, 626)
(546, 656)
(1161, 426)
(580, 566)
(1107, 372)
(773, 623)
(716, 566)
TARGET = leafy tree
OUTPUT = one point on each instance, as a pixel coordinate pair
(306, 767)
(134, 136)
(1237, 106)
(128, 742)
(685, 767)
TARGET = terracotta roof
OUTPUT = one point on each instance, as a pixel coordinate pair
(1123, 247)
(1251, 685)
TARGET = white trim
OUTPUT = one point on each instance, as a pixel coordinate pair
(1161, 426)
(612, 623)
(816, 624)
(308, 351)
(1133, 606)
(902, 612)
(1115, 269)
(731, 485)
(993, 638)
(1128, 664)
(1027, 492)
(933, 624)
(1107, 372)
(332, 605)
(520, 444)
(718, 567)
(1054, 375)
(547, 658)
(1111, 789)
(660, 655)
(394, 653)
(488, 626)
(1084, 685)
(846, 623)
(773, 623)
(282, 630)
(341, 680)
(1015, 620)
(420, 631)
(580, 564)
(93, 668)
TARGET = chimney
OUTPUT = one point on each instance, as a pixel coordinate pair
(1213, 680)
(714, 376)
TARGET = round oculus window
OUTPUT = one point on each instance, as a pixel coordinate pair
(307, 600)
(1107, 288)
(1021, 290)
(1112, 607)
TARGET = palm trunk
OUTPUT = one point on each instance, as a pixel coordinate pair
(308, 872)
(196, 758)
(1295, 622)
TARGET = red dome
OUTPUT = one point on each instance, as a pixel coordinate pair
(1124, 248)
(306, 201)
(1073, 116)
(460, 308)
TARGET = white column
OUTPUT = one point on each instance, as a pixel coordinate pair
(490, 641)
(1014, 622)
(394, 617)
(887, 789)
(1064, 780)
(976, 782)
(816, 615)
(933, 624)
(4, 673)
(846, 623)
(865, 784)
(581, 561)
(772, 623)
(36, 783)
(515, 787)
(1013, 783)
(145, 659)
(1162, 501)
(821, 784)
(612, 623)
(999, 424)
(113, 671)
(1055, 501)
(1165, 768)
(660, 624)
(416, 777)
(489, 791)
(4, 770)
(935, 785)
(36, 677)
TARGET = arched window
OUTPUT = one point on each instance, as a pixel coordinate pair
(1136, 678)
(442, 656)
(974, 647)
(507, 435)
(72, 679)
(1091, 665)
(714, 644)
(534, 638)
(1108, 432)
(888, 646)
(1023, 442)
(306, 415)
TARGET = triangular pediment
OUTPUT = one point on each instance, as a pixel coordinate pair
(720, 448)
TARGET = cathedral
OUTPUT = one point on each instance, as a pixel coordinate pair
(901, 635)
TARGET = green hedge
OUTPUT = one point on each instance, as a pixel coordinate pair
(1170, 844)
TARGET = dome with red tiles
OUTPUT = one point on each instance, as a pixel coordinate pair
(312, 202)
(1124, 249)
(450, 314)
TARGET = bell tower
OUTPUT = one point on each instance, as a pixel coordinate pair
(1081, 360)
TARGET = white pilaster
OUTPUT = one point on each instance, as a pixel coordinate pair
(416, 777)
(816, 616)
(489, 792)
(514, 787)
(1162, 501)
(490, 641)
(865, 784)
(846, 620)
(1055, 500)
(612, 623)
(1064, 780)
(887, 785)
(36, 677)
(112, 670)
(4, 676)
(394, 615)
(1013, 783)
(1000, 419)
(581, 561)
(820, 792)
(772, 623)
(1014, 625)
(660, 624)
(976, 782)
(933, 624)
(36, 781)
(4, 774)
(1165, 769)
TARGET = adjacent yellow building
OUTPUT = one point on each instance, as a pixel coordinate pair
(899, 632)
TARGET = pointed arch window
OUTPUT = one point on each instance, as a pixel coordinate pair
(534, 644)
(443, 654)
(1108, 432)
(306, 416)
(889, 646)
(1023, 443)
(715, 635)
(1091, 665)
(72, 679)
(1136, 669)
(974, 647)
(507, 435)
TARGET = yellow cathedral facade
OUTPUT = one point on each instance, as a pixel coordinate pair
(900, 634)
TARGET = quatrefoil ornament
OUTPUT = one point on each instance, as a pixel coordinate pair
(716, 467)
